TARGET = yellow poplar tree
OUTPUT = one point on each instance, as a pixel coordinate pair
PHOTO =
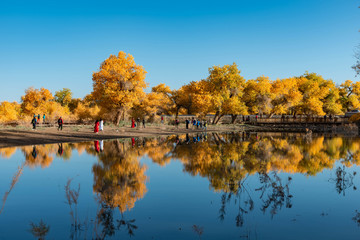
(119, 84)
(257, 95)
(286, 95)
(349, 95)
(198, 97)
(9, 111)
(224, 83)
(317, 95)
(34, 100)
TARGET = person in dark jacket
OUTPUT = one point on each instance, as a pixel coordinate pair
(60, 123)
(33, 122)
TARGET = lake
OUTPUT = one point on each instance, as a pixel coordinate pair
(201, 186)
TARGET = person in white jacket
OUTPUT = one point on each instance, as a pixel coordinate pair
(101, 125)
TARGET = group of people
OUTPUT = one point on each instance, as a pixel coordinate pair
(99, 126)
(36, 120)
(196, 123)
(137, 124)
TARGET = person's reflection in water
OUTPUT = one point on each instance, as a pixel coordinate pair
(133, 142)
(34, 152)
(144, 142)
(60, 150)
(187, 139)
(101, 145)
(97, 146)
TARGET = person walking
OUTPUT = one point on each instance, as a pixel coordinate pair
(143, 122)
(132, 123)
(38, 120)
(33, 122)
(101, 125)
(60, 123)
(187, 123)
(205, 125)
(44, 118)
(162, 119)
(96, 127)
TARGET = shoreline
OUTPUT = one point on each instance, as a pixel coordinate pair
(13, 136)
(23, 136)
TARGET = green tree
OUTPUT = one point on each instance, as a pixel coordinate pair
(63, 96)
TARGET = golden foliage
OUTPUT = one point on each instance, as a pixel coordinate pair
(84, 113)
(9, 111)
(119, 178)
(119, 84)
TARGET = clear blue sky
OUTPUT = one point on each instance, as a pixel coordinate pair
(59, 44)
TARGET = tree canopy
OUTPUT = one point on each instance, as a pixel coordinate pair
(119, 84)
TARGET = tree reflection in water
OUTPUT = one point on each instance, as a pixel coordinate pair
(276, 195)
(119, 181)
(226, 160)
(40, 230)
(343, 180)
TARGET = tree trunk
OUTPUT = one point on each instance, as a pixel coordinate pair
(177, 112)
(219, 118)
(216, 114)
(233, 118)
(118, 117)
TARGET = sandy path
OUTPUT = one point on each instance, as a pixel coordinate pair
(10, 137)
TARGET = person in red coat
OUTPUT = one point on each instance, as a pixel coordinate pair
(96, 128)
(132, 123)
(97, 146)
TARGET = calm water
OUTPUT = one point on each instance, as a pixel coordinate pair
(219, 186)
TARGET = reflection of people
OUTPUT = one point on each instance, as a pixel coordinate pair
(101, 145)
(97, 146)
(133, 142)
(34, 153)
(96, 127)
(60, 150)
(101, 125)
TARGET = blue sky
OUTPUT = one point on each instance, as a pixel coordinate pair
(59, 44)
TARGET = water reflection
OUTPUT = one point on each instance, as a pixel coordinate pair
(226, 160)
(40, 230)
